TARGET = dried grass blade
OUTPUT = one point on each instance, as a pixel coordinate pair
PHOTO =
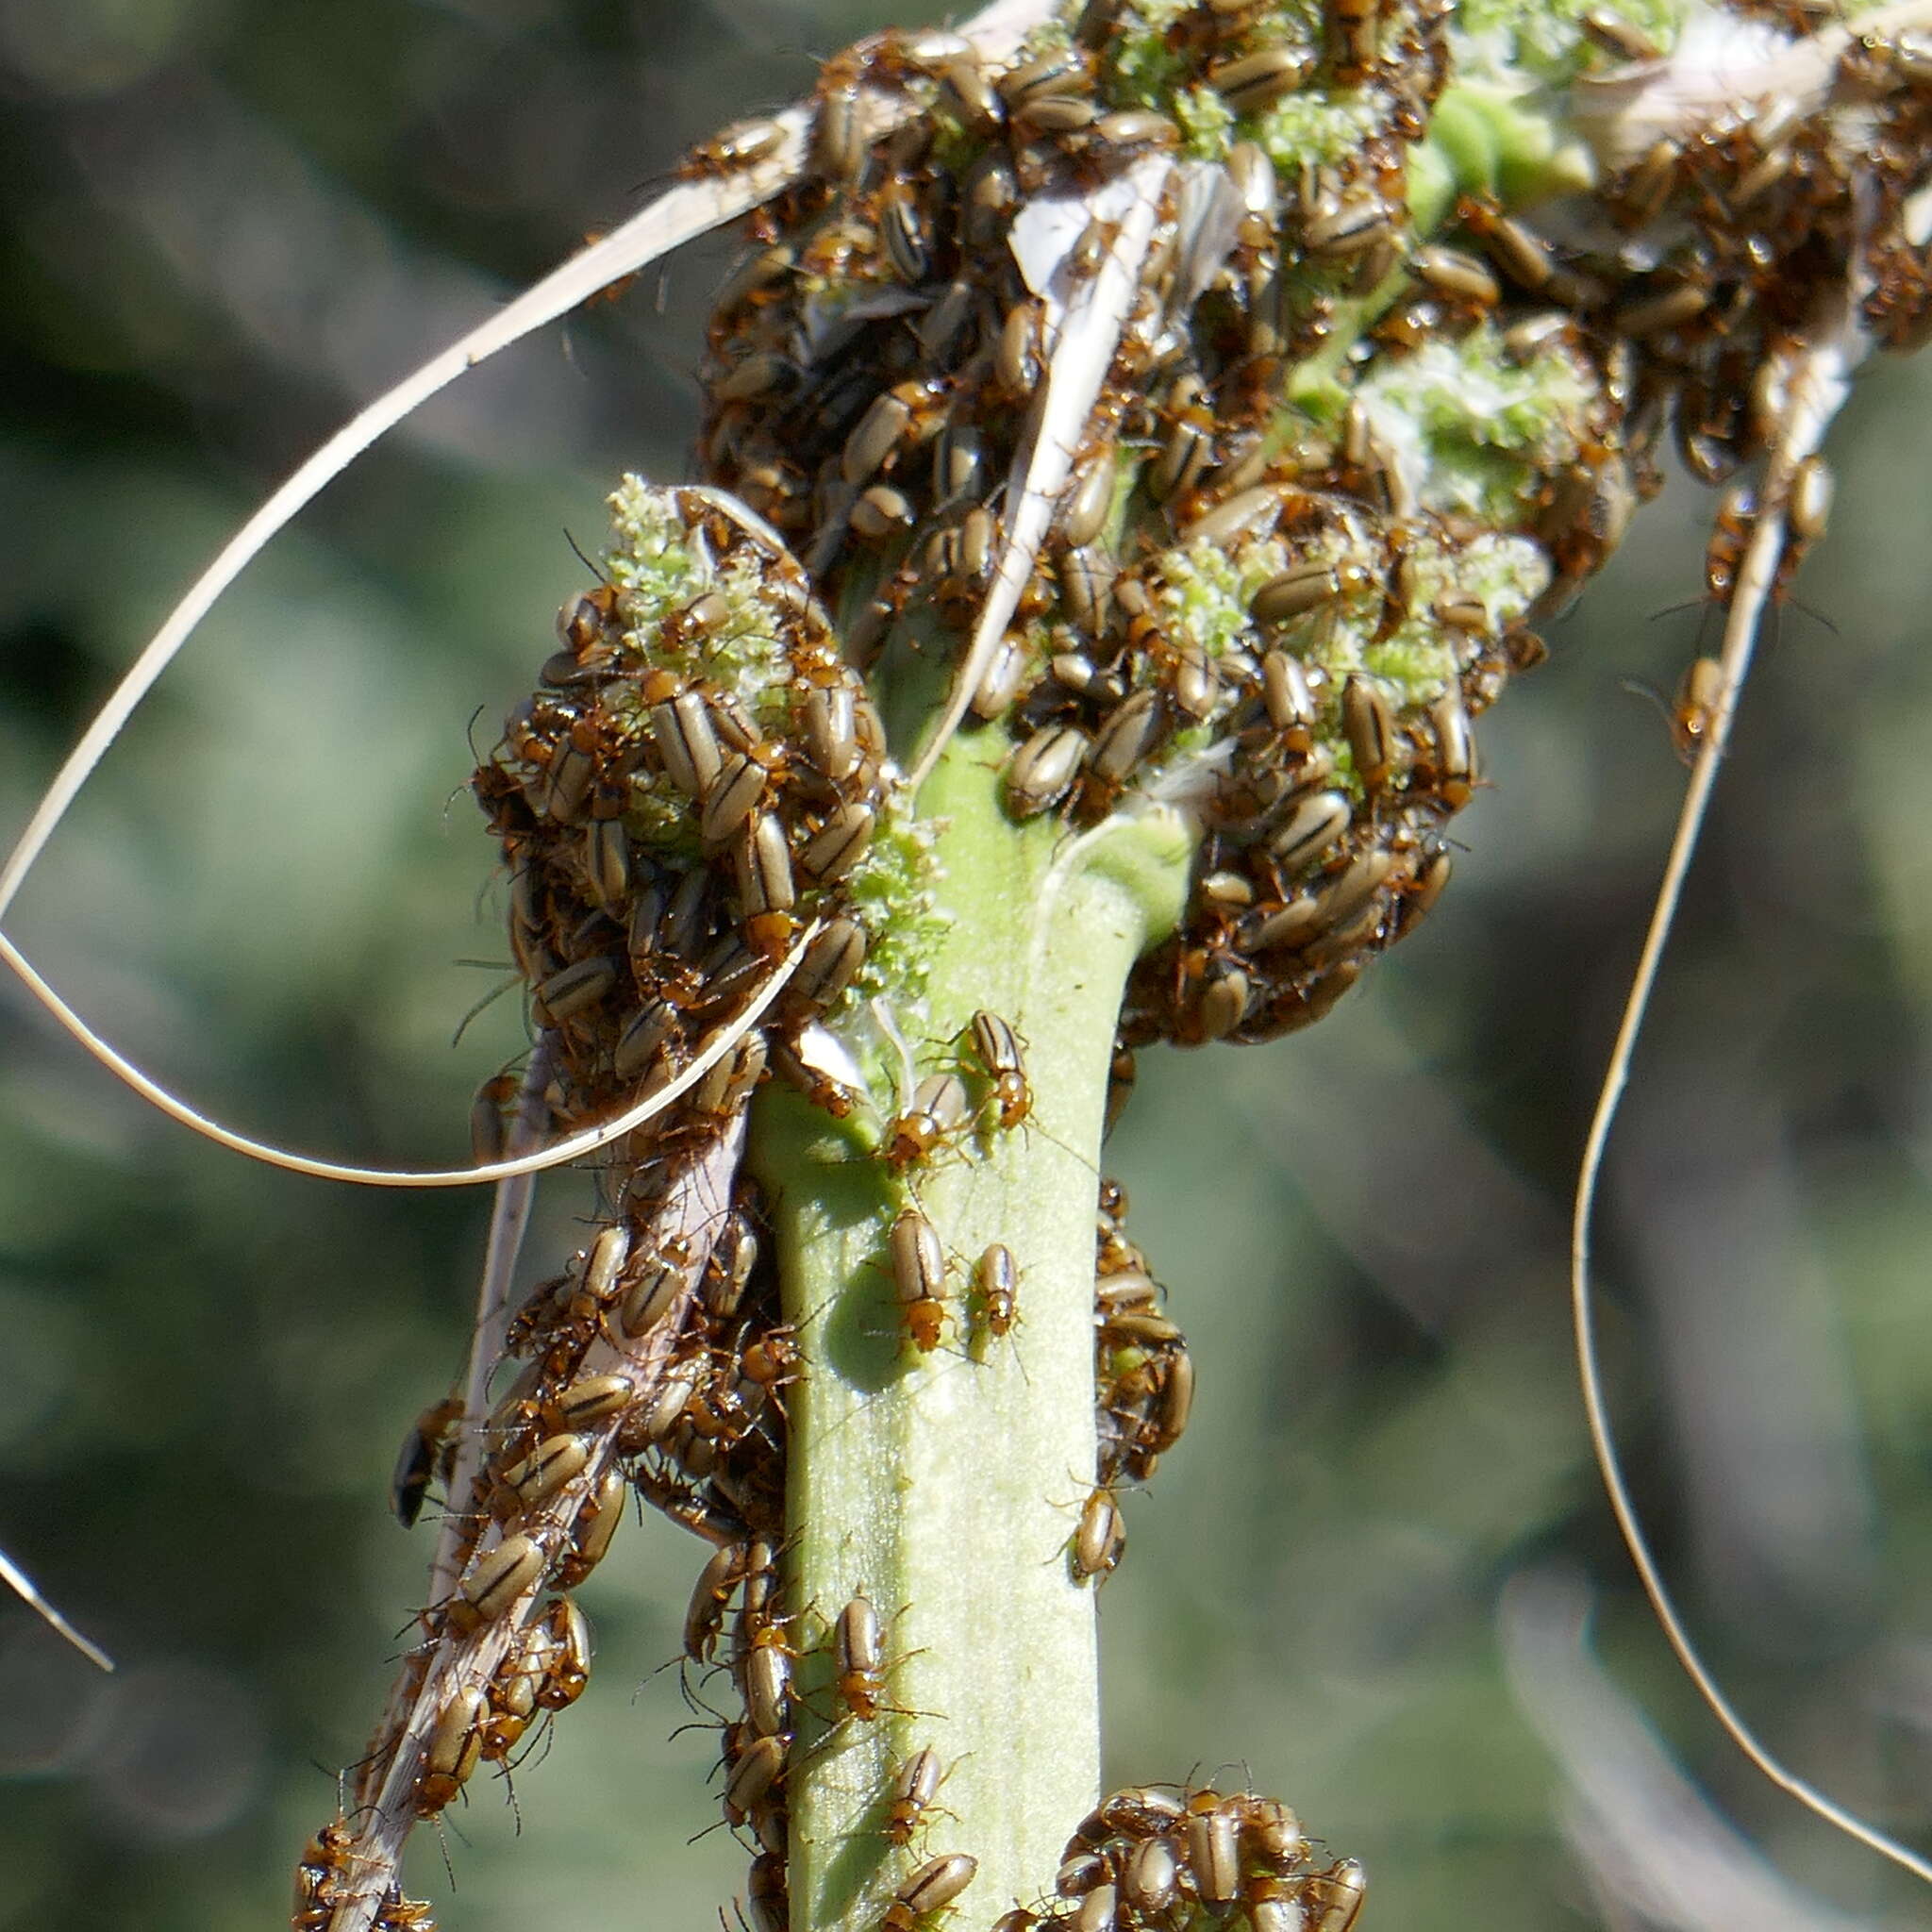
(1820, 382)
(1078, 362)
(29, 1592)
(510, 1219)
(557, 1155)
(694, 1210)
(681, 214)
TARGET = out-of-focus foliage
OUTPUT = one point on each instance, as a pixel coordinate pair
(224, 224)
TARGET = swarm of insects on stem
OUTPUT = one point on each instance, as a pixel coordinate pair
(1219, 435)
(1226, 438)
(1139, 440)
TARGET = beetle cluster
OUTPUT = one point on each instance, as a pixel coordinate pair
(870, 358)
(320, 1884)
(1259, 593)
(703, 1440)
(702, 775)
(1348, 449)
(645, 1369)
(1257, 608)
(1143, 1375)
(1729, 238)
(1325, 824)
(1150, 1858)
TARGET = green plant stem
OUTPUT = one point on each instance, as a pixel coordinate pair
(945, 1488)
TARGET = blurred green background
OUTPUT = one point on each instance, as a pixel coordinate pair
(1363, 1575)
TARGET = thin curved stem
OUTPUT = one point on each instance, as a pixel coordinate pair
(558, 1154)
(450, 1661)
(1818, 389)
(682, 214)
(30, 1593)
(509, 1218)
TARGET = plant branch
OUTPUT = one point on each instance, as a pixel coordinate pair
(945, 1487)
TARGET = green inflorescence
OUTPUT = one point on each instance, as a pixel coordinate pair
(1483, 426)
(895, 893)
(1491, 132)
(1205, 592)
(1418, 658)
(1316, 129)
(1143, 70)
(1542, 40)
(659, 570)
(1207, 123)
